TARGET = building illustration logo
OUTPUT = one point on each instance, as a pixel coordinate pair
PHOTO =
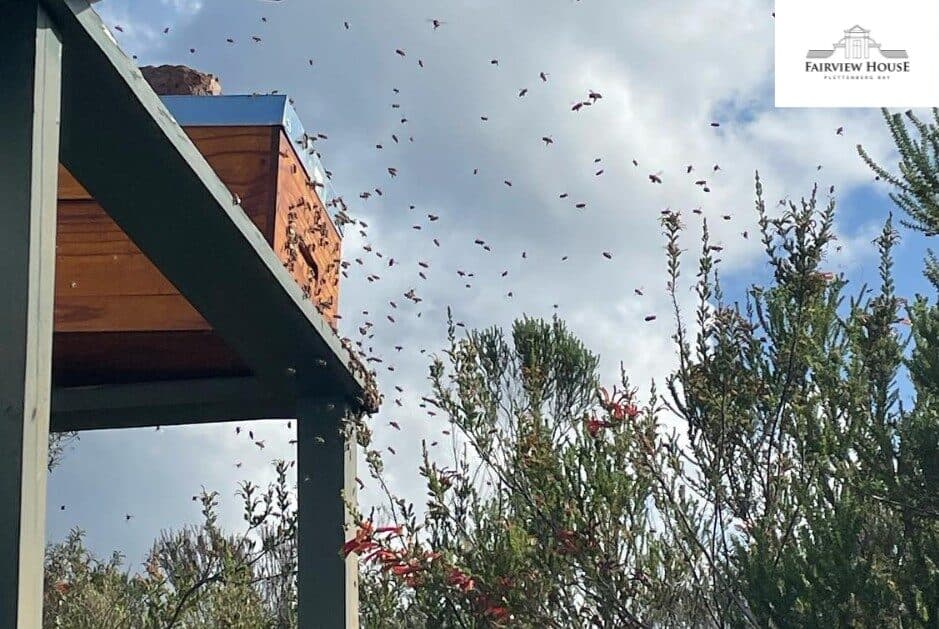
(857, 43)
(863, 57)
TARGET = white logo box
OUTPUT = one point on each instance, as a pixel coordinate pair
(857, 53)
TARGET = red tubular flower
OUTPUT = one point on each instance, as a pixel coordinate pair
(618, 404)
(357, 546)
(404, 569)
(594, 426)
(493, 610)
(385, 556)
(458, 579)
(361, 542)
(497, 612)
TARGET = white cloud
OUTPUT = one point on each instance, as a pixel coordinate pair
(183, 7)
(141, 28)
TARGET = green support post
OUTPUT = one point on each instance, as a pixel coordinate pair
(327, 584)
(29, 154)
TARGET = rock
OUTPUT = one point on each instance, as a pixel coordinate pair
(169, 80)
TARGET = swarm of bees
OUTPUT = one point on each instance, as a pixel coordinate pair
(414, 263)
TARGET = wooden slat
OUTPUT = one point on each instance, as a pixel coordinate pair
(108, 274)
(84, 228)
(299, 206)
(69, 188)
(91, 246)
(83, 358)
(127, 313)
(242, 158)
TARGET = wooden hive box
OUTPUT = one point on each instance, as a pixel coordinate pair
(118, 319)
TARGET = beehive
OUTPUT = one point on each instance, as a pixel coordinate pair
(118, 319)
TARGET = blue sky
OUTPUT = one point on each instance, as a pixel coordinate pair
(665, 70)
